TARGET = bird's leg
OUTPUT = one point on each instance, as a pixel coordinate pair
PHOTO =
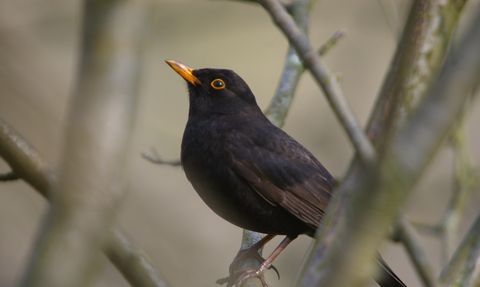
(250, 252)
(259, 272)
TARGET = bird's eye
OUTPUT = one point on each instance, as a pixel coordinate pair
(218, 84)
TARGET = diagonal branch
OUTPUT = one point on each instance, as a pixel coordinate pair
(32, 167)
(85, 194)
(463, 268)
(324, 77)
(377, 198)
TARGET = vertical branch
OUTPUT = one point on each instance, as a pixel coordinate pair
(293, 68)
(419, 56)
(90, 186)
(376, 200)
(277, 111)
(466, 179)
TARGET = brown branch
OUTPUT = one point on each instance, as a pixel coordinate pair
(9, 176)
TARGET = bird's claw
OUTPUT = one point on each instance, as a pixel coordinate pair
(237, 278)
(250, 273)
(246, 253)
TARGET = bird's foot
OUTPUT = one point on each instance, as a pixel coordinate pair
(238, 277)
(251, 273)
(243, 254)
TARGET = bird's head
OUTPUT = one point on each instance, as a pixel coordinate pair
(215, 91)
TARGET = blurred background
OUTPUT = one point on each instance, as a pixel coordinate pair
(39, 51)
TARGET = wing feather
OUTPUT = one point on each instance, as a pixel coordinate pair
(286, 174)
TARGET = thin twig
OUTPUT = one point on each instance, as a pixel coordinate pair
(462, 269)
(466, 180)
(324, 77)
(9, 176)
(407, 235)
(152, 156)
(391, 14)
(293, 68)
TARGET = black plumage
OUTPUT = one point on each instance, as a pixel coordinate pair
(246, 169)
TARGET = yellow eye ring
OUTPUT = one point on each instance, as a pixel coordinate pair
(218, 84)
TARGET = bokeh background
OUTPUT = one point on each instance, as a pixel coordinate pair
(39, 51)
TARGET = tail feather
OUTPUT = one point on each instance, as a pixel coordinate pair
(386, 277)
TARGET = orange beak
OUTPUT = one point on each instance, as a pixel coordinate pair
(184, 71)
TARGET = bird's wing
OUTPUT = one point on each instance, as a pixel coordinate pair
(284, 173)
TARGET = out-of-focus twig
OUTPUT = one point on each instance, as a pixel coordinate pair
(90, 184)
(134, 264)
(406, 233)
(152, 156)
(391, 14)
(9, 176)
(32, 167)
(98, 131)
(463, 269)
(466, 180)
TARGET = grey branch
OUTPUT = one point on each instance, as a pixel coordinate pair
(323, 76)
(406, 233)
(152, 156)
(86, 190)
(462, 269)
(32, 167)
(404, 158)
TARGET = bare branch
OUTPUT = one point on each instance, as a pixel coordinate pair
(324, 77)
(399, 167)
(132, 262)
(90, 184)
(407, 235)
(152, 156)
(463, 269)
(9, 176)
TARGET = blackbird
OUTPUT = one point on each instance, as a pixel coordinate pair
(247, 170)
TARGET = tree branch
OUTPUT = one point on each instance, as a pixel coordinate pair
(324, 77)
(90, 184)
(407, 235)
(9, 176)
(376, 200)
(463, 269)
(114, 117)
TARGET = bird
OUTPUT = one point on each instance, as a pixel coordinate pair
(250, 172)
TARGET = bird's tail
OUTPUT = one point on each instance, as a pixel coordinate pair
(386, 277)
